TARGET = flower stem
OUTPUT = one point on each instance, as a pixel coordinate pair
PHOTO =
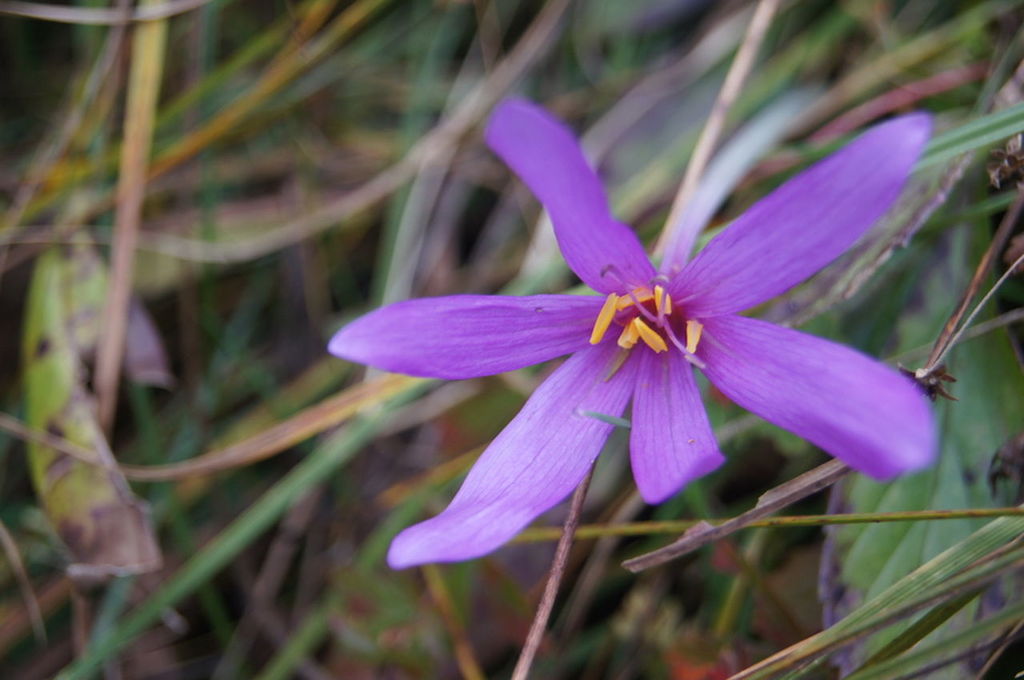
(547, 600)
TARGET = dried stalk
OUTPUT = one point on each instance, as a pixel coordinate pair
(547, 600)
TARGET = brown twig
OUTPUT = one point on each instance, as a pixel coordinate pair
(924, 373)
(597, 562)
(1011, 635)
(312, 420)
(781, 496)
(140, 111)
(28, 595)
(81, 620)
(547, 600)
(19, 429)
(1002, 235)
(898, 98)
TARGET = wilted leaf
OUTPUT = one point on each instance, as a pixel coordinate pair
(106, 529)
(85, 285)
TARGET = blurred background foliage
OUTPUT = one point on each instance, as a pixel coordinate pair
(195, 194)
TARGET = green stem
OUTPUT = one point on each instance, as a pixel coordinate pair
(592, 531)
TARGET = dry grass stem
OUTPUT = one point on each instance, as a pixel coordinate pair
(709, 136)
(140, 111)
(98, 16)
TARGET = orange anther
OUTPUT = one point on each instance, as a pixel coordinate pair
(649, 336)
(693, 332)
(604, 319)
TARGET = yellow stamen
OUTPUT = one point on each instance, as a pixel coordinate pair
(641, 295)
(629, 336)
(662, 302)
(647, 334)
(693, 331)
(604, 319)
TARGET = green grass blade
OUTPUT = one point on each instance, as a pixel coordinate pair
(984, 131)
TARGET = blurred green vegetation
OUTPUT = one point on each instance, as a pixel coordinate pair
(311, 160)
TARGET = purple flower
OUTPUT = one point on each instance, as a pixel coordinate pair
(642, 339)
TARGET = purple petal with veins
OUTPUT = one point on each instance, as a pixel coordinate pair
(534, 463)
(466, 336)
(804, 224)
(671, 442)
(603, 252)
(859, 410)
(641, 340)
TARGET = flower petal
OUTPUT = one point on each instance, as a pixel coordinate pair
(671, 442)
(857, 409)
(536, 461)
(603, 252)
(466, 336)
(804, 224)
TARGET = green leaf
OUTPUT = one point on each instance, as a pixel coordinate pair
(990, 392)
(106, 529)
(977, 133)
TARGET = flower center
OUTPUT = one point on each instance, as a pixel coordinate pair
(647, 316)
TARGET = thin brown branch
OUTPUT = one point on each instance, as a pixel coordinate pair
(1012, 634)
(1002, 235)
(597, 562)
(143, 90)
(81, 620)
(926, 372)
(28, 595)
(771, 501)
(313, 420)
(897, 98)
(547, 600)
(22, 431)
